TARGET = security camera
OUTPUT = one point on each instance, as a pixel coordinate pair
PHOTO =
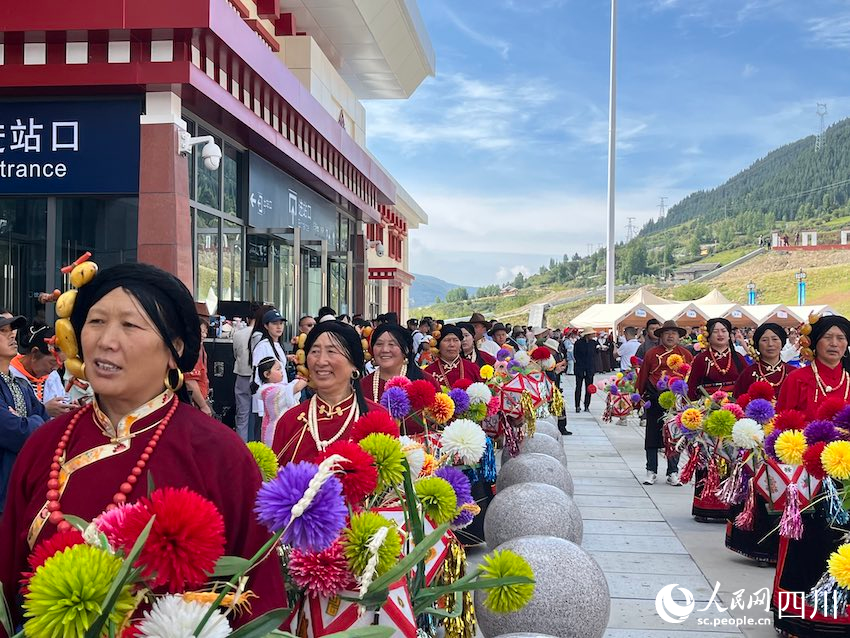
(212, 155)
(378, 246)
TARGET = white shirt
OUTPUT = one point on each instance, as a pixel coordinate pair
(53, 386)
(490, 347)
(627, 351)
(262, 350)
(241, 366)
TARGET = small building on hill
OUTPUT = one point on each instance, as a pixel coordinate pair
(694, 271)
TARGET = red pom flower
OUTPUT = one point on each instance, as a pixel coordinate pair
(359, 476)
(421, 394)
(592, 389)
(829, 408)
(812, 462)
(634, 361)
(376, 421)
(540, 353)
(59, 542)
(743, 400)
(185, 541)
(684, 369)
(494, 405)
(761, 390)
(462, 384)
(401, 382)
(323, 574)
(789, 420)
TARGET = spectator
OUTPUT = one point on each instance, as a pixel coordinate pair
(198, 381)
(38, 365)
(305, 324)
(650, 339)
(628, 349)
(267, 345)
(585, 352)
(242, 369)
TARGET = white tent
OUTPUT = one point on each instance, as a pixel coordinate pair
(804, 311)
(644, 296)
(737, 314)
(775, 313)
(684, 313)
(715, 297)
(608, 316)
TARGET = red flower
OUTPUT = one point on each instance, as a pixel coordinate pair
(743, 400)
(634, 361)
(359, 477)
(494, 405)
(462, 384)
(761, 390)
(789, 420)
(684, 369)
(59, 542)
(591, 389)
(185, 541)
(378, 421)
(830, 408)
(812, 462)
(540, 353)
(322, 573)
(421, 394)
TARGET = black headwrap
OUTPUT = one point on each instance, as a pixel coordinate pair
(405, 342)
(349, 339)
(164, 298)
(773, 327)
(709, 325)
(449, 330)
(822, 325)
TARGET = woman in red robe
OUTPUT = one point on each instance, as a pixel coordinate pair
(392, 352)
(801, 563)
(716, 368)
(138, 332)
(760, 543)
(450, 366)
(335, 361)
(469, 350)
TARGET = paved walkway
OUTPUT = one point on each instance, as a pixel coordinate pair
(645, 538)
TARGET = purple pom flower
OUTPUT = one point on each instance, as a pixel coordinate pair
(821, 431)
(320, 523)
(647, 404)
(463, 491)
(678, 386)
(613, 389)
(635, 398)
(661, 384)
(461, 399)
(396, 401)
(629, 376)
(760, 410)
(842, 418)
(770, 444)
(503, 354)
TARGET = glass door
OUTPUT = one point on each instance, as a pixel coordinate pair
(311, 289)
(23, 256)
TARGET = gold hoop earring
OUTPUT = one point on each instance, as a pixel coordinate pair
(355, 375)
(176, 386)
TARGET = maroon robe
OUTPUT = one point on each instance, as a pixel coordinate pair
(800, 390)
(292, 439)
(409, 427)
(760, 372)
(464, 370)
(194, 451)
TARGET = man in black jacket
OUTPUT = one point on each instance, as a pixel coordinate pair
(584, 353)
(555, 378)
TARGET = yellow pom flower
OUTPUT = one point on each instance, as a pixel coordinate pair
(692, 418)
(486, 372)
(675, 361)
(442, 409)
(504, 599)
(769, 426)
(836, 461)
(619, 375)
(838, 565)
(790, 446)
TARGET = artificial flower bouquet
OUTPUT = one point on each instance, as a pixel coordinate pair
(623, 398)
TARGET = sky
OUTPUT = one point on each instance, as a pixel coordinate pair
(506, 147)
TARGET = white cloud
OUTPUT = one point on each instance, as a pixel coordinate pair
(749, 71)
(509, 273)
(502, 47)
(832, 32)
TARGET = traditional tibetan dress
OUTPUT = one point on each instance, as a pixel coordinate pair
(447, 373)
(373, 386)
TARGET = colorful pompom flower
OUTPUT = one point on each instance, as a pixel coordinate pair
(461, 400)
(60, 541)
(479, 393)
(265, 458)
(389, 458)
(759, 410)
(172, 616)
(812, 460)
(789, 420)
(356, 537)
(675, 361)
(746, 433)
(830, 407)
(541, 353)
(667, 400)
(463, 493)
(789, 446)
(821, 431)
(743, 400)
(486, 372)
(66, 593)
(504, 599)
(442, 409)
(761, 390)
(678, 386)
(421, 394)
(735, 409)
(396, 402)
(465, 439)
(322, 517)
(438, 499)
(838, 565)
(322, 574)
(357, 472)
(691, 418)
(836, 459)
(397, 382)
(592, 389)
(374, 421)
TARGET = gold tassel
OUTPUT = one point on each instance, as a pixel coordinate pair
(454, 568)
(556, 406)
(528, 412)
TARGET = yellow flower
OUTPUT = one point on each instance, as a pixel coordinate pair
(675, 361)
(442, 409)
(486, 372)
(836, 461)
(619, 375)
(839, 565)
(692, 418)
(790, 446)
(768, 427)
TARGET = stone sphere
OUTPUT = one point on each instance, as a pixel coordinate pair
(527, 509)
(571, 598)
(548, 428)
(541, 445)
(535, 468)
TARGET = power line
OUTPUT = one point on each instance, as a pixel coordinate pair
(819, 138)
(661, 208)
(630, 229)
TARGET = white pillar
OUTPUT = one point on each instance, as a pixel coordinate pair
(612, 149)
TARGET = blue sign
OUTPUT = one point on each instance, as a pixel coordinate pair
(69, 147)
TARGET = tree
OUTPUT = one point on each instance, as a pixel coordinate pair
(694, 247)
(457, 294)
(437, 299)
(636, 259)
(519, 280)
(487, 291)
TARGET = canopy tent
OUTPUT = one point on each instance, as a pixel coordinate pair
(642, 295)
(804, 311)
(684, 313)
(608, 316)
(735, 313)
(775, 313)
(715, 297)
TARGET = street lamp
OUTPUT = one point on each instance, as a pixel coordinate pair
(801, 287)
(751, 293)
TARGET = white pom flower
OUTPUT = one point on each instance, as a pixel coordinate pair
(479, 393)
(747, 434)
(522, 358)
(173, 617)
(465, 439)
(415, 454)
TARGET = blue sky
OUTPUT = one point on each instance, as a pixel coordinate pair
(506, 148)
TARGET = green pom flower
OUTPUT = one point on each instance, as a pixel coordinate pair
(355, 542)
(389, 457)
(438, 498)
(719, 423)
(667, 400)
(477, 412)
(266, 459)
(503, 599)
(67, 591)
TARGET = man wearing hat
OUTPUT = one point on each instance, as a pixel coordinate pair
(481, 341)
(554, 376)
(654, 367)
(584, 353)
(499, 333)
(20, 411)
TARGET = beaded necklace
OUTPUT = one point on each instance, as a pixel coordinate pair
(441, 375)
(376, 381)
(762, 374)
(713, 360)
(826, 389)
(313, 423)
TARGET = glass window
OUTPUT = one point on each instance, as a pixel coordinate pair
(231, 261)
(23, 259)
(106, 227)
(230, 166)
(209, 182)
(206, 255)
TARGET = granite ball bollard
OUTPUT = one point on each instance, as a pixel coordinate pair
(527, 509)
(550, 429)
(571, 598)
(535, 468)
(540, 445)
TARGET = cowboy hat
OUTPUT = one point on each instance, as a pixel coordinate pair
(551, 344)
(670, 325)
(539, 331)
(477, 317)
(588, 331)
(496, 328)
